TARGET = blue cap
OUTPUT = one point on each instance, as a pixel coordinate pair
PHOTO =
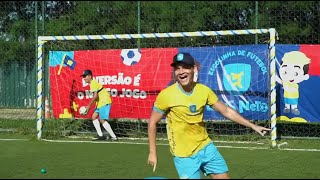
(184, 58)
(86, 72)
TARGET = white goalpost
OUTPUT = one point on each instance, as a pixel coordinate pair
(42, 40)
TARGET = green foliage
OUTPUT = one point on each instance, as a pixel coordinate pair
(18, 126)
(295, 21)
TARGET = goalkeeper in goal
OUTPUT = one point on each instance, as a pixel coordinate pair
(103, 105)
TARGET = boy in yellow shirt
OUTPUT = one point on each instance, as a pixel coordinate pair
(183, 102)
(103, 105)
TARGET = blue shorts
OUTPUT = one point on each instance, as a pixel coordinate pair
(208, 160)
(103, 111)
(292, 101)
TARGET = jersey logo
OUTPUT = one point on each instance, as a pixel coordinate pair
(193, 108)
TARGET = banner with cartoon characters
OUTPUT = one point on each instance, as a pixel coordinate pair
(239, 75)
(298, 83)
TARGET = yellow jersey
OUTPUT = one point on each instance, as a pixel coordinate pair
(291, 94)
(186, 130)
(103, 95)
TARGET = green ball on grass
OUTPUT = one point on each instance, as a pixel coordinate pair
(43, 171)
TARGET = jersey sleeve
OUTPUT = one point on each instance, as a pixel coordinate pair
(161, 103)
(95, 86)
(212, 97)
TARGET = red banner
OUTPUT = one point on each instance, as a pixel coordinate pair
(132, 77)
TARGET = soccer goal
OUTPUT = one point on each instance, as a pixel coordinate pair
(239, 66)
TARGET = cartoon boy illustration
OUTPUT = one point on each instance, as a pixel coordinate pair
(293, 70)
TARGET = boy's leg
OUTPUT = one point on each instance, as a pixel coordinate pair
(108, 128)
(96, 124)
(214, 163)
(104, 116)
(188, 167)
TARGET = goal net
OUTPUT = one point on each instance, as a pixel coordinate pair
(238, 65)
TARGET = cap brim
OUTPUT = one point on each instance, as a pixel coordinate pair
(174, 64)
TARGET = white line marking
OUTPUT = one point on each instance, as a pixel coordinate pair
(14, 139)
(311, 150)
(162, 144)
(166, 144)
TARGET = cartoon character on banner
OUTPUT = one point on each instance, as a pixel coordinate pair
(293, 70)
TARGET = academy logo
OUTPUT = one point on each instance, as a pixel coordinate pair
(237, 77)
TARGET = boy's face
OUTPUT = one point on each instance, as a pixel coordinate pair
(184, 74)
(87, 78)
(293, 73)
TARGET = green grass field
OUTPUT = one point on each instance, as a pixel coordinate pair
(22, 156)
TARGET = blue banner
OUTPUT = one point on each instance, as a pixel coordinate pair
(239, 75)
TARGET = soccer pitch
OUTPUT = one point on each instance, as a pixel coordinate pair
(24, 157)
